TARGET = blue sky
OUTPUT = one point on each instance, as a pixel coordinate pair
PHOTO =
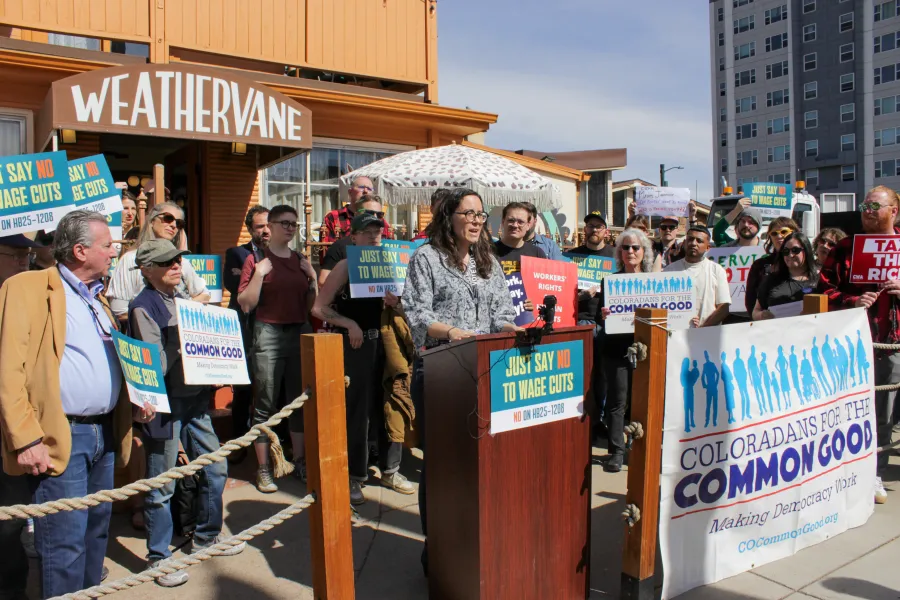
(587, 74)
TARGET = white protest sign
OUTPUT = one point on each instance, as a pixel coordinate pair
(662, 201)
(768, 443)
(736, 260)
(624, 294)
(212, 348)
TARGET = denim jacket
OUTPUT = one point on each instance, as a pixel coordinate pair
(437, 292)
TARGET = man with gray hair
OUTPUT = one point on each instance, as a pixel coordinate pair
(64, 413)
(336, 223)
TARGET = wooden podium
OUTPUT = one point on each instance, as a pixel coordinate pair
(509, 513)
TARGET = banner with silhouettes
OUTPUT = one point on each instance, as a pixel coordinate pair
(377, 270)
(625, 293)
(93, 186)
(212, 348)
(35, 192)
(591, 269)
(876, 258)
(209, 267)
(768, 443)
(736, 260)
(142, 372)
(541, 278)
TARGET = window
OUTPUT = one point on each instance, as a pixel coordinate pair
(73, 41)
(811, 90)
(809, 6)
(721, 39)
(776, 42)
(745, 51)
(886, 137)
(743, 105)
(887, 105)
(776, 70)
(744, 77)
(848, 112)
(747, 158)
(722, 63)
(12, 135)
(784, 178)
(886, 168)
(812, 177)
(809, 33)
(809, 61)
(720, 14)
(845, 52)
(723, 139)
(779, 125)
(745, 132)
(845, 22)
(812, 148)
(887, 42)
(887, 10)
(773, 15)
(723, 114)
(848, 173)
(811, 119)
(885, 74)
(723, 88)
(724, 165)
(780, 153)
(745, 24)
(777, 98)
(736, 3)
(848, 142)
(848, 82)
(746, 181)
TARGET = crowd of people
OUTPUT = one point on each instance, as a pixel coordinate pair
(67, 423)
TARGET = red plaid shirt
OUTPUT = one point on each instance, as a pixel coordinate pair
(336, 224)
(834, 282)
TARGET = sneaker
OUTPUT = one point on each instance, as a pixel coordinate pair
(880, 493)
(104, 574)
(300, 469)
(265, 483)
(398, 483)
(356, 495)
(172, 579)
(234, 550)
(614, 464)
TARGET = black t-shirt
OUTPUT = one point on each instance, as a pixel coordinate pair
(336, 253)
(365, 311)
(589, 307)
(511, 258)
(775, 289)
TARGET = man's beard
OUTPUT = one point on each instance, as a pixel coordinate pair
(260, 242)
(743, 231)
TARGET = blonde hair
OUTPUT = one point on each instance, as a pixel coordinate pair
(147, 227)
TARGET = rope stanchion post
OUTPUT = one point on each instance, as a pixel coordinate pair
(647, 402)
(814, 304)
(325, 426)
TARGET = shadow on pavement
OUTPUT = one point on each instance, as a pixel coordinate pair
(230, 587)
(860, 588)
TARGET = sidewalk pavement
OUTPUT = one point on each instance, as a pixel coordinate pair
(861, 563)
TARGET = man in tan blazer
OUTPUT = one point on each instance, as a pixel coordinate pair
(64, 409)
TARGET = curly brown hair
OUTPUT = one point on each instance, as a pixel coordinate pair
(440, 233)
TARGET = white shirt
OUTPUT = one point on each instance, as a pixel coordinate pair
(710, 284)
(127, 282)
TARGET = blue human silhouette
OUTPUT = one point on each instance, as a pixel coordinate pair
(781, 364)
(851, 371)
(690, 283)
(728, 386)
(776, 391)
(740, 376)
(862, 363)
(630, 287)
(767, 380)
(820, 372)
(710, 382)
(795, 375)
(810, 386)
(689, 379)
(830, 360)
(841, 360)
(756, 377)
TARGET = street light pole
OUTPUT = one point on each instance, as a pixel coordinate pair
(662, 174)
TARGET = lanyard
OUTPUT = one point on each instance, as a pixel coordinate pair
(106, 336)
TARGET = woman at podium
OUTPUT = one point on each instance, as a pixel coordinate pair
(455, 289)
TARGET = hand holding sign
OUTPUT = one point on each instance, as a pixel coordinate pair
(876, 259)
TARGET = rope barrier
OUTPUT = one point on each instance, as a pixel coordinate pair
(887, 388)
(660, 322)
(635, 430)
(886, 346)
(631, 514)
(173, 565)
(636, 352)
(24, 511)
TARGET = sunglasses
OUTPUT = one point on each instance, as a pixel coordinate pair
(668, 227)
(781, 232)
(168, 263)
(795, 251)
(872, 206)
(287, 224)
(827, 243)
(632, 247)
(168, 219)
(377, 213)
(364, 188)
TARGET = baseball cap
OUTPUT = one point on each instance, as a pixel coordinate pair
(595, 215)
(363, 220)
(669, 218)
(18, 241)
(156, 251)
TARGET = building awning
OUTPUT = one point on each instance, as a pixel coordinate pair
(176, 101)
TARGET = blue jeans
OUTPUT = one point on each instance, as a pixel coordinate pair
(193, 427)
(72, 545)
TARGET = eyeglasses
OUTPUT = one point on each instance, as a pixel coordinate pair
(516, 222)
(287, 224)
(872, 206)
(377, 213)
(633, 247)
(668, 227)
(827, 243)
(793, 251)
(594, 227)
(364, 188)
(786, 231)
(471, 216)
(168, 263)
(168, 219)
(21, 256)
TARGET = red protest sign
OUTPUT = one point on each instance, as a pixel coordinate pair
(542, 277)
(876, 258)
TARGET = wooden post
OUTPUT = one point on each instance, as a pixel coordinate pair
(325, 425)
(814, 304)
(159, 184)
(648, 394)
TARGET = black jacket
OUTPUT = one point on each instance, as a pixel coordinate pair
(234, 262)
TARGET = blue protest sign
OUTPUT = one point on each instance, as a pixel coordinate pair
(142, 369)
(533, 388)
(772, 199)
(517, 293)
(35, 192)
(591, 269)
(209, 267)
(402, 244)
(93, 187)
(376, 270)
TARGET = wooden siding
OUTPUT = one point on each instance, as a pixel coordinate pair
(230, 187)
(117, 19)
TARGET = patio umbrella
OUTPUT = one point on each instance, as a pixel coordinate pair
(412, 177)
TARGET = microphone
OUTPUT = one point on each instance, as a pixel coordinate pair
(548, 313)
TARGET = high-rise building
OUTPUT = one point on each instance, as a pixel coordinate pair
(807, 89)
